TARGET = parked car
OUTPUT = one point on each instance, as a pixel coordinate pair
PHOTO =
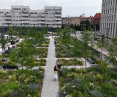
(92, 60)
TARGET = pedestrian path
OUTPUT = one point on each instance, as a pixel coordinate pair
(50, 87)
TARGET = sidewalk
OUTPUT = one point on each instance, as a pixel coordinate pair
(50, 87)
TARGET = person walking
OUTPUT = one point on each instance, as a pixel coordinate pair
(55, 72)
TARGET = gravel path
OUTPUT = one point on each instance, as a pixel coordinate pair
(50, 87)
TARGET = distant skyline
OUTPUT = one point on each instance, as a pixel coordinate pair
(69, 7)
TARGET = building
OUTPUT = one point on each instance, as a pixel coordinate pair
(83, 18)
(19, 16)
(109, 18)
(68, 21)
(96, 19)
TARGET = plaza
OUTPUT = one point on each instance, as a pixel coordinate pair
(57, 51)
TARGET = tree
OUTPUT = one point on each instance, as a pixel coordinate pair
(24, 56)
(58, 30)
(76, 49)
(44, 30)
(11, 33)
(74, 31)
(40, 37)
(86, 52)
(65, 39)
(102, 43)
(113, 51)
(3, 41)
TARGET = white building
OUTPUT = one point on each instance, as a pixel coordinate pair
(24, 16)
(109, 18)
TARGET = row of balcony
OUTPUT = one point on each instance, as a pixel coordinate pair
(40, 22)
(54, 26)
(9, 18)
(9, 14)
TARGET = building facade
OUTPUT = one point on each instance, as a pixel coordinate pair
(83, 18)
(109, 18)
(68, 21)
(96, 19)
(23, 16)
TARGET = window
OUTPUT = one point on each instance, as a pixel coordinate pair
(17, 8)
(115, 9)
(1, 12)
(114, 17)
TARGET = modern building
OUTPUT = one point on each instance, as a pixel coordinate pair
(23, 16)
(68, 21)
(109, 18)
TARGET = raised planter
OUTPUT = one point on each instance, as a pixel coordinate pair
(9, 67)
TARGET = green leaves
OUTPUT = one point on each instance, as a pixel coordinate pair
(3, 41)
(112, 48)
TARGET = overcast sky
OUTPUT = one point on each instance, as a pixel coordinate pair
(69, 7)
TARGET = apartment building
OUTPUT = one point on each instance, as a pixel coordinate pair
(67, 21)
(23, 16)
(109, 18)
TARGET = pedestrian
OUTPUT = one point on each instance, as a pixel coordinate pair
(55, 72)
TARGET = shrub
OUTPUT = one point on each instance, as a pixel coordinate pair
(12, 78)
(111, 73)
(108, 89)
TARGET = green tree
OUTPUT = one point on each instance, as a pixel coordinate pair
(112, 48)
(3, 41)
(24, 56)
(44, 30)
(58, 30)
(11, 33)
(76, 49)
(102, 43)
(86, 52)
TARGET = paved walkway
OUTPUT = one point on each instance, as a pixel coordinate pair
(50, 87)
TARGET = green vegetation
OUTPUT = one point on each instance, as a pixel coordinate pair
(10, 83)
(101, 82)
(71, 62)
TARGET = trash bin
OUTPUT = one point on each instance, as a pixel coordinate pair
(59, 65)
(55, 42)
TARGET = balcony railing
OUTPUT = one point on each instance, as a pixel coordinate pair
(57, 22)
(40, 22)
(25, 18)
(7, 17)
(57, 14)
(25, 22)
(24, 14)
(57, 26)
(57, 18)
(7, 21)
(7, 14)
(41, 18)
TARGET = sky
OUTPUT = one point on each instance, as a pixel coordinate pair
(69, 7)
